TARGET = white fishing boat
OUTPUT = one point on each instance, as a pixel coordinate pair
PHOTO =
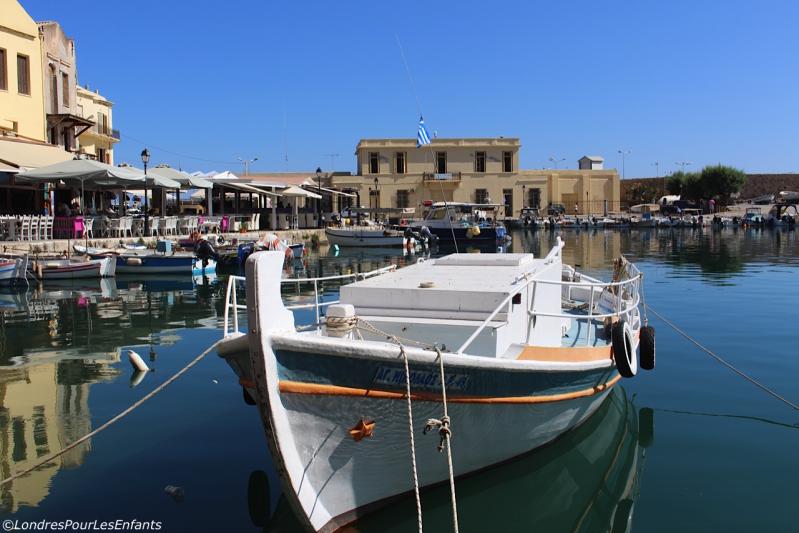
(365, 236)
(525, 349)
(48, 269)
(13, 269)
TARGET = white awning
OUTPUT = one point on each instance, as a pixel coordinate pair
(244, 187)
(29, 155)
(333, 191)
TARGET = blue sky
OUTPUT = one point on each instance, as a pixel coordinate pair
(670, 81)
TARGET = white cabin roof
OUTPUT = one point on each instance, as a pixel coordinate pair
(465, 285)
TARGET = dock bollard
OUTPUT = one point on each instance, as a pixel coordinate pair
(137, 362)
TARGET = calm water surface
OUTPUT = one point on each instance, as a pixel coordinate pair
(689, 446)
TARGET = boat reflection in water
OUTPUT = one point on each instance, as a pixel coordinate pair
(587, 480)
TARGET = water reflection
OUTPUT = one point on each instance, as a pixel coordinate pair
(57, 340)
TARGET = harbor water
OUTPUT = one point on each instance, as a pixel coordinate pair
(689, 446)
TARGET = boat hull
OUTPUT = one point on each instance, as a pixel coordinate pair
(94, 268)
(159, 264)
(12, 271)
(363, 238)
(336, 478)
(462, 234)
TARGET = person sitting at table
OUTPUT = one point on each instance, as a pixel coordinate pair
(63, 209)
(74, 207)
(136, 203)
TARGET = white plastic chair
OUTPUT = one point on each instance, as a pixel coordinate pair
(88, 227)
(46, 228)
(25, 229)
(154, 226)
(171, 227)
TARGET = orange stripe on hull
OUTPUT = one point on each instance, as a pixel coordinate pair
(297, 387)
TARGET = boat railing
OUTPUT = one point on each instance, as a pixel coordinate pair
(625, 296)
(232, 306)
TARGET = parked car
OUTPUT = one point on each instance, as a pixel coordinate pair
(556, 209)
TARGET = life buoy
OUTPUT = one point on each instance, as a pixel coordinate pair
(647, 343)
(623, 349)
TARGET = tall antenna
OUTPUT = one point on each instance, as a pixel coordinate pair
(285, 144)
(332, 158)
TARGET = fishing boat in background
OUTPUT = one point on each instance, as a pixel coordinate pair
(525, 354)
(51, 269)
(789, 197)
(13, 270)
(462, 222)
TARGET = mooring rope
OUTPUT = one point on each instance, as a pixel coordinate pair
(410, 434)
(724, 362)
(445, 433)
(117, 418)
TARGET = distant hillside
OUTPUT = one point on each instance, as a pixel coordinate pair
(756, 185)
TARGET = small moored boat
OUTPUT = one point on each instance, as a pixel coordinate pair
(13, 269)
(525, 348)
(48, 269)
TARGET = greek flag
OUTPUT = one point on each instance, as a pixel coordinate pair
(422, 136)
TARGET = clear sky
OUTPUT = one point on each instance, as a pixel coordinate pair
(701, 81)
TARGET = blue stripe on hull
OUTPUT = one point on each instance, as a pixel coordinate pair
(466, 381)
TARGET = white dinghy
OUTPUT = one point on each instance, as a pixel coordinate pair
(526, 348)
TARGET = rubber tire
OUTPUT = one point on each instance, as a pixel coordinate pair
(647, 348)
(623, 354)
(247, 398)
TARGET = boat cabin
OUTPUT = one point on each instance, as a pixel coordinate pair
(440, 301)
(462, 213)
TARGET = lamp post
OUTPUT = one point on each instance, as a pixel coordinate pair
(556, 160)
(524, 197)
(623, 154)
(145, 158)
(246, 163)
(377, 197)
(319, 200)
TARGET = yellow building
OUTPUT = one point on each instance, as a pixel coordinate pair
(394, 173)
(21, 90)
(98, 141)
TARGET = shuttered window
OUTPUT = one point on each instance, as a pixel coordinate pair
(23, 74)
(3, 71)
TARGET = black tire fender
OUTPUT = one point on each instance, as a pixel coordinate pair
(623, 349)
(647, 347)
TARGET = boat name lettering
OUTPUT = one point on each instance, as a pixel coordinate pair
(419, 378)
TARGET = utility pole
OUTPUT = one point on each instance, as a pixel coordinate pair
(246, 163)
(623, 153)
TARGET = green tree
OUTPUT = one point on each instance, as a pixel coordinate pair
(720, 181)
(681, 182)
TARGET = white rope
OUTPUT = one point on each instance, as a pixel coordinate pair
(721, 360)
(410, 434)
(445, 433)
(117, 418)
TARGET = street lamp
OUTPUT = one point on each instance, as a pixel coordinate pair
(683, 164)
(246, 163)
(556, 160)
(319, 200)
(377, 197)
(145, 158)
(623, 154)
(524, 196)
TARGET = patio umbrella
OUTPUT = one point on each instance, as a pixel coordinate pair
(79, 173)
(296, 192)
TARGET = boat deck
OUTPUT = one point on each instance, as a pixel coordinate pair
(577, 336)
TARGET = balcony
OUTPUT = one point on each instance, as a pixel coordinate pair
(438, 176)
(102, 130)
